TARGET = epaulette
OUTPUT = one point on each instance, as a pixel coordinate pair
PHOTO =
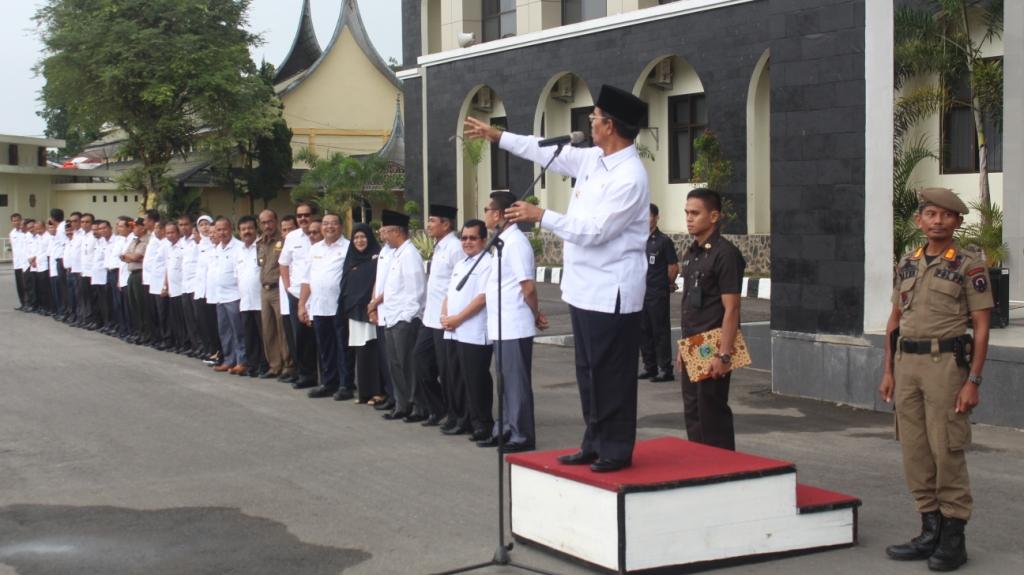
(917, 254)
(949, 255)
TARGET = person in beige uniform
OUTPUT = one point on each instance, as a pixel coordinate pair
(935, 375)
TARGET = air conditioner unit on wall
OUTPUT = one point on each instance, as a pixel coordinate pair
(482, 100)
(565, 89)
(661, 76)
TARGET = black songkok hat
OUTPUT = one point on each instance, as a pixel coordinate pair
(439, 211)
(623, 105)
(390, 218)
(504, 197)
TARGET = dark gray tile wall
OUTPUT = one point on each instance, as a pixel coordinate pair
(817, 75)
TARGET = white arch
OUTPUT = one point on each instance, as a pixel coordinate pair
(555, 113)
(759, 148)
(469, 202)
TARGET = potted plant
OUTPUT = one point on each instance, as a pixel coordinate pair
(986, 233)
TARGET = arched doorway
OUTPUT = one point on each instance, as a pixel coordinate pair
(759, 168)
(482, 167)
(563, 107)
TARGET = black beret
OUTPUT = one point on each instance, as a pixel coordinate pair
(390, 218)
(439, 211)
(623, 105)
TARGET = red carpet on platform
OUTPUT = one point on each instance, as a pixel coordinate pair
(679, 504)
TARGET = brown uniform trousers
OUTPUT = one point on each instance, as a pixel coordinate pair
(271, 323)
(936, 300)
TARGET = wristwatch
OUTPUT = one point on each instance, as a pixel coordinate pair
(725, 357)
(974, 378)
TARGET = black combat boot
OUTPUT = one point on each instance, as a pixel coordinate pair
(952, 551)
(922, 546)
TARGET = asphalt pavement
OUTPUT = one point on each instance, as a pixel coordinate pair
(120, 459)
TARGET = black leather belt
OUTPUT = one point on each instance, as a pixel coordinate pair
(269, 287)
(923, 346)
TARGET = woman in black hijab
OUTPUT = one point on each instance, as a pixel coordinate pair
(356, 290)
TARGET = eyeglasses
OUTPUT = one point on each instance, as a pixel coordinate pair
(470, 238)
(594, 117)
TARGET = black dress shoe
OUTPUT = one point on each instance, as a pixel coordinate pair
(479, 435)
(303, 383)
(393, 415)
(449, 425)
(288, 378)
(386, 406)
(432, 421)
(414, 418)
(321, 391)
(606, 465)
(517, 447)
(663, 376)
(578, 458)
(491, 441)
(646, 374)
(455, 430)
(269, 375)
(344, 394)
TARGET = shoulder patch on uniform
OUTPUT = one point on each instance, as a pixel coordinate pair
(917, 254)
(980, 283)
(975, 271)
(950, 254)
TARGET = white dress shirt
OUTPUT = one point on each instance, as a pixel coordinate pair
(86, 251)
(405, 286)
(18, 258)
(149, 264)
(60, 239)
(605, 228)
(113, 259)
(474, 329)
(72, 251)
(517, 266)
(204, 258)
(224, 273)
(39, 249)
(98, 275)
(447, 252)
(383, 265)
(189, 258)
(295, 255)
(248, 270)
(327, 266)
(123, 273)
(158, 265)
(54, 252)
(175, 278)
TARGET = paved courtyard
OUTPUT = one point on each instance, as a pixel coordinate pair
(120, 459)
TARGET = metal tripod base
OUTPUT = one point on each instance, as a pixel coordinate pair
(501, 557)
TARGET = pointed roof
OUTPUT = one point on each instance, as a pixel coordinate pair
(394, 148)
(305, 48)
(348, 17)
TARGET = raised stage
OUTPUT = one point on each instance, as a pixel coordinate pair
(680, 504)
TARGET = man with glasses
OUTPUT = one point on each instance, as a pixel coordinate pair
(293, 265)
(469, 351)
(605, 232)
(268, 250)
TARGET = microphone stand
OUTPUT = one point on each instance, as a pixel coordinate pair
(501, 554)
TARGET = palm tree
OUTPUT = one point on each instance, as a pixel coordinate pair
(339, 182)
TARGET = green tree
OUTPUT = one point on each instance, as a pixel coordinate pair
(252, 154)
(164, 71)
(937, 42)
(58, 126)
(339, 182)
(714, 171)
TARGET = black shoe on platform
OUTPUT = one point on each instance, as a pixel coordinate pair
(647, 374)
(952, 551)
(517, 447)
(578, 458)
(606, 465)
(922, 546)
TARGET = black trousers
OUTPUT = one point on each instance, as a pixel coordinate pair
(188, 309)
(59, 287)
(368, 369)
(121, 315)
(19, 283)
(431, 368)
(137, 304)
(606, 350)
(455, 399)
(256, 360)
(71, 297)
(42, 290)
(707, 412)
(656, 335)
(86, 309)
(474, 382)
(304, 353)
(101, 295)
(28, 280)
(160, 310)
(382, 360)
(176, 320)
(208, 324)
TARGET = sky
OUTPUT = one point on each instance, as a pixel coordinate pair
(275, 20)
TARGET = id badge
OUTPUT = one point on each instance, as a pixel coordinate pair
(696, 297)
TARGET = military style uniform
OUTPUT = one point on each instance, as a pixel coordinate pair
(655, 324)
(935, 298)
(272, 329)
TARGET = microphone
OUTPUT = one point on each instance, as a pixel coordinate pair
(573, 138)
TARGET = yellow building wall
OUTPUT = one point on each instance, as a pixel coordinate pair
(346, 105)
(22, 191)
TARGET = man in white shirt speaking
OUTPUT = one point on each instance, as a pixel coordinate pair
(605, 232)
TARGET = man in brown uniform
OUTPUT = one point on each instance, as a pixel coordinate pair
(268, 248)
(936, 385)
